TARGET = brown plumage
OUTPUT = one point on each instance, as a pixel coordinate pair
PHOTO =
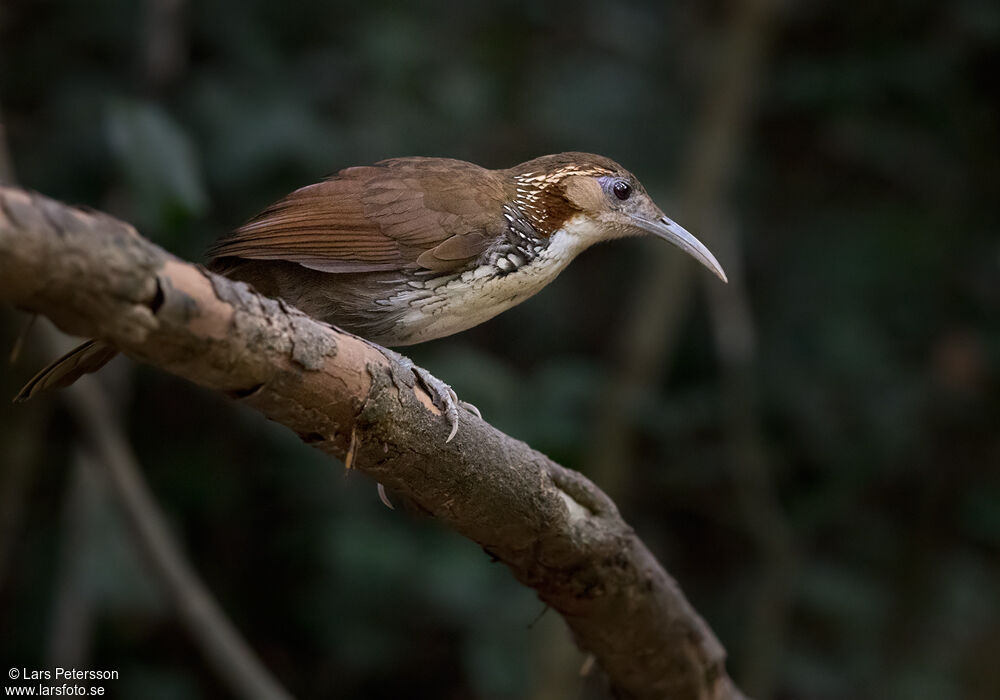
(412, 249)
(408, 213)
(404, 213)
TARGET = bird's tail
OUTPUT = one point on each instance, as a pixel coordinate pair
(83, 359)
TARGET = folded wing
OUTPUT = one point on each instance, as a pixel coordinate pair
(407, 213)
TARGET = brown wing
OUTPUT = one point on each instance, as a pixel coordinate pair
(429, 213)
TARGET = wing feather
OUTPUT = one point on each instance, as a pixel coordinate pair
(407, 213)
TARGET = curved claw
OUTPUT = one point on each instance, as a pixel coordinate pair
(384, 498)
(443, 396)
(471, 409)
(451, 410)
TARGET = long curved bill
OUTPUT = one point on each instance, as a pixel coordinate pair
(670, 231)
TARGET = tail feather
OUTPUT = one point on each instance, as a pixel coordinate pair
(83, 359)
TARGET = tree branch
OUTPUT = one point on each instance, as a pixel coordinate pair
(94, 275)
(226, 652)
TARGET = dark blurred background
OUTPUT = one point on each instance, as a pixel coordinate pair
(813, 450)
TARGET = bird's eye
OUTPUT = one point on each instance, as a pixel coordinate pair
(622, 190)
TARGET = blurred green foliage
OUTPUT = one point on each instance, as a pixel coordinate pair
(866, 199)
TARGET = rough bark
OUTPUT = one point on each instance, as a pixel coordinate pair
(95, 276)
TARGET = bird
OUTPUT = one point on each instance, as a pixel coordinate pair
(412, 249)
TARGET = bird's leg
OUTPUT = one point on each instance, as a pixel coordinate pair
(443, 396)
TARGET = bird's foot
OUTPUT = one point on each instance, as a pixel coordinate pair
(442, 395)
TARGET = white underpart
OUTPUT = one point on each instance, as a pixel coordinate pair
(479, 295)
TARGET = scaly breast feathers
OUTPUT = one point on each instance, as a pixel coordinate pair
(443, 306)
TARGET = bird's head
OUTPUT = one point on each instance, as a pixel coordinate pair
(596, 199)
